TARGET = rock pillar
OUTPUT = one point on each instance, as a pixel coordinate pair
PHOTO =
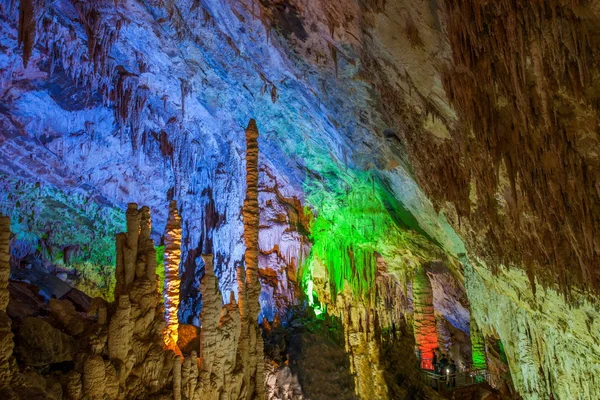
(424, 318)
(212, 304)
(477, 346)
(6, 336)
(172, 281)
(249, 305)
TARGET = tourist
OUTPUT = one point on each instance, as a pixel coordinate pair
(443, 365)
(451, 371)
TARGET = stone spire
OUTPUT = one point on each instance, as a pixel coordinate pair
(212, 304)
(478, 354)
(6, 336)
(253, 348)
(424, 317)
(172, 281)
(4, 261)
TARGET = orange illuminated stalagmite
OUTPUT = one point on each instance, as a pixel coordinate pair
(424, 318)
(172, 280)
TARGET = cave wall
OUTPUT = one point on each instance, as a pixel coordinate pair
(551, 345)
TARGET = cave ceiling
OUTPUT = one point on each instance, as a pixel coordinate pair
(458, 125)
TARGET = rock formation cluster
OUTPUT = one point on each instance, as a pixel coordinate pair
(118, 350)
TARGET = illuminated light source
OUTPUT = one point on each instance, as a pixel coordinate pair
(172, 260)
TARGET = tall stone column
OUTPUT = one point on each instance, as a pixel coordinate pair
(478, 355)
(424, 317)
(6, 336)
(250, 307)
(172, 280)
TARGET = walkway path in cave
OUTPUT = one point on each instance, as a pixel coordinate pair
(470, 378)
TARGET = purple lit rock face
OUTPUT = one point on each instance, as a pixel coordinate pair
(392, 137)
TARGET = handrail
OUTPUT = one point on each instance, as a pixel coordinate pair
(459, 379)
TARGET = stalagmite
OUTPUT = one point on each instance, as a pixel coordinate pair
(6, 336)
(424, 317)
(189, 377)
(27, 28)
(129, 252)
(254, 365)
(477, 346)
(211, 312)
(120, 331)
(4, 261)
(172, 280)
(94, 378)
(120, 347)
(136, 328)
(177, 378)
(219, 342)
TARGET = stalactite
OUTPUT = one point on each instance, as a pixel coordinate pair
(129, 98)
(375, 330)
(424, 317)
(27, 28)
(522, 88)
(251, 334)
(172, 281)
(185, 91)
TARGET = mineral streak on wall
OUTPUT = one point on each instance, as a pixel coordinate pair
(424, 318)
(251, 339)
(172, 280)
(6, 336)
